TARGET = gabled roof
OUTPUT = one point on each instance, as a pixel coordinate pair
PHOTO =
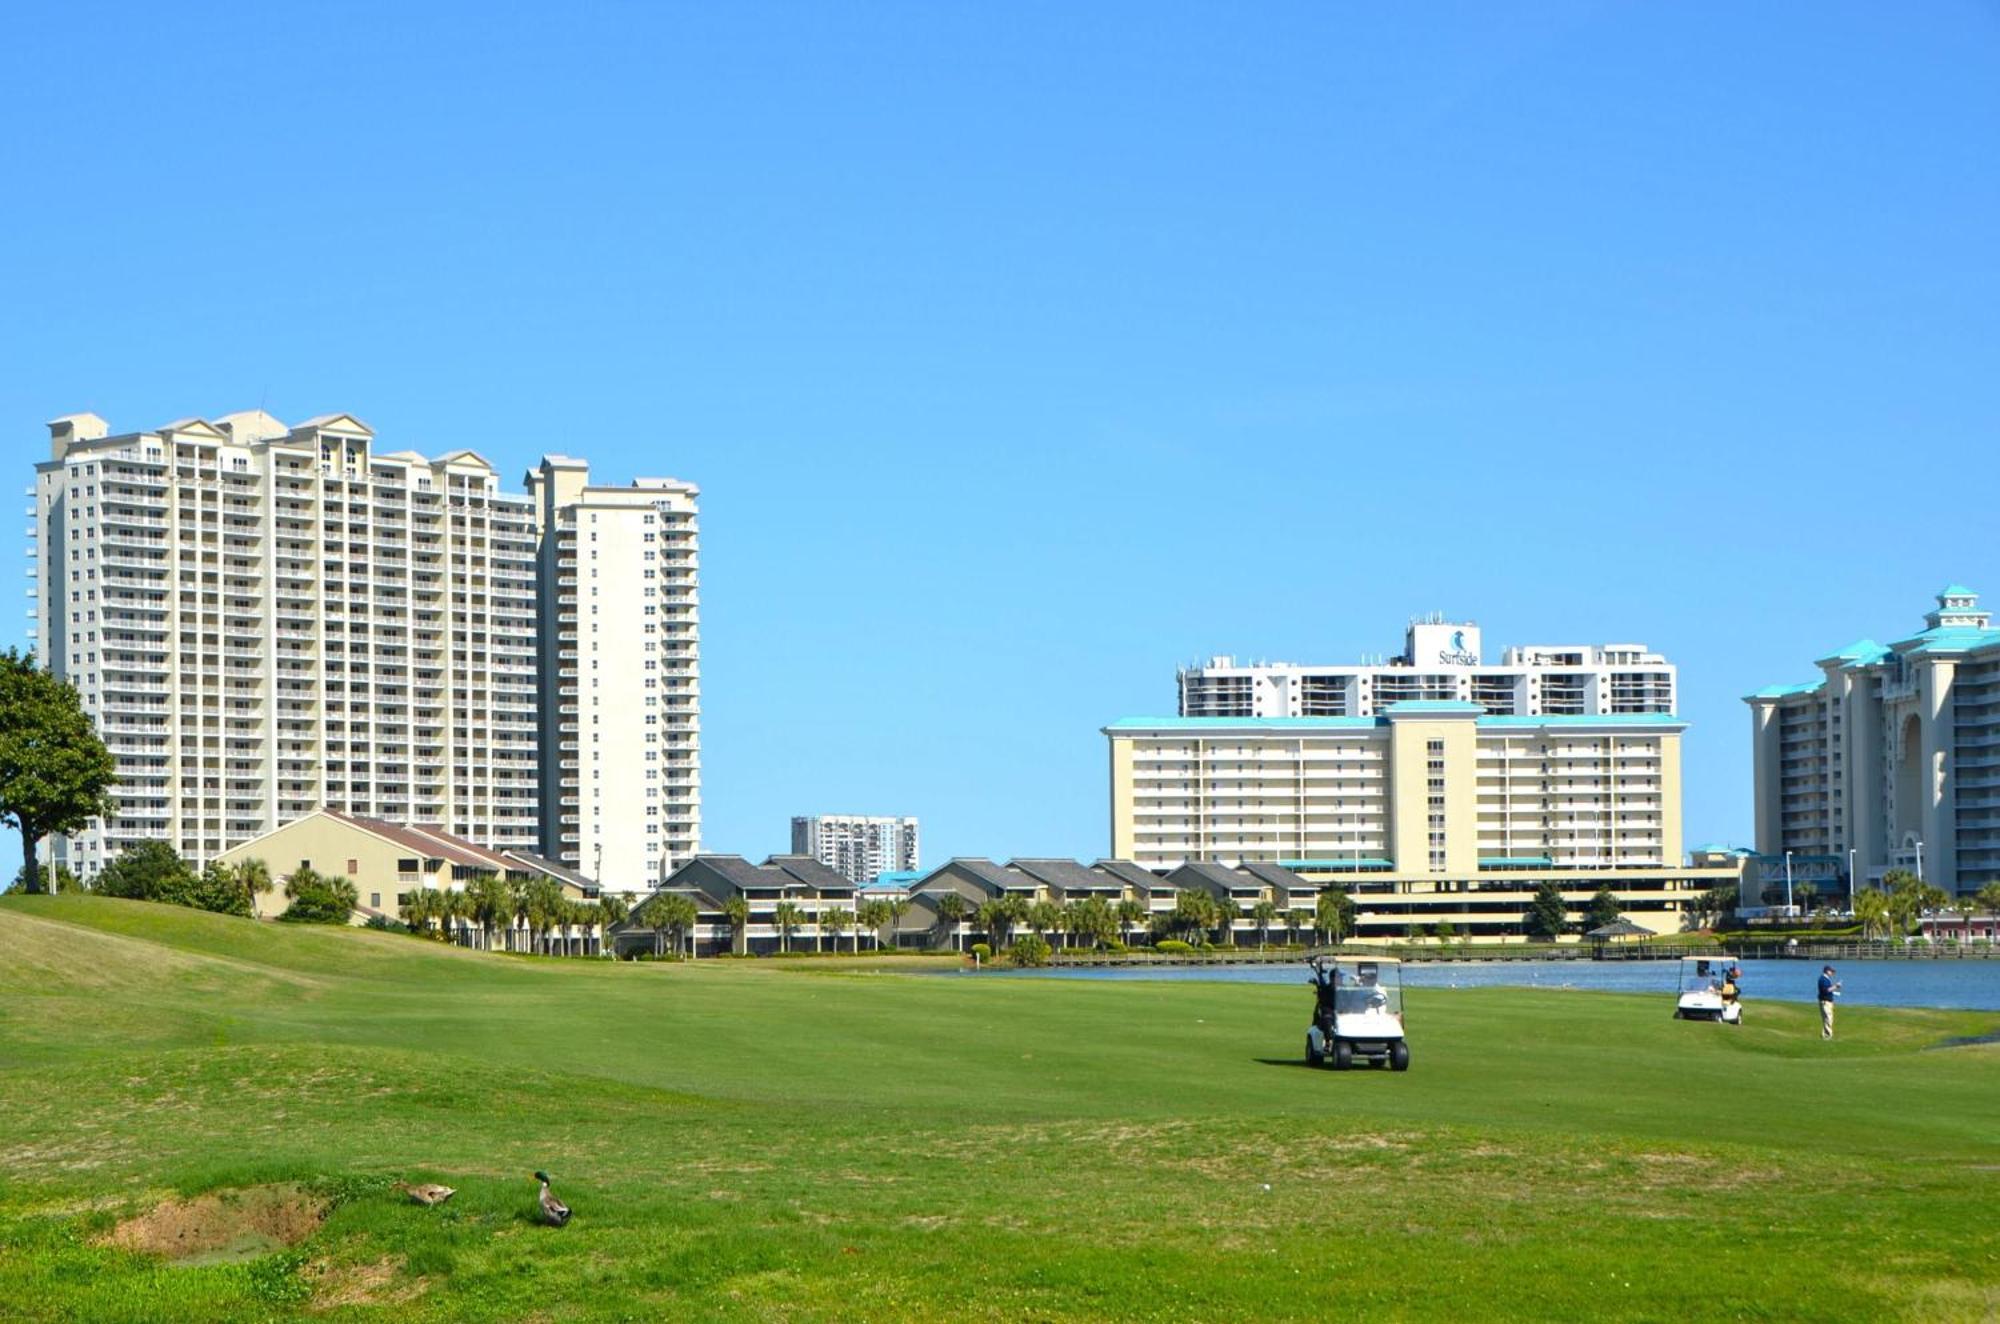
(335, 423)
(983, 872)
(733, 870)
(1277, 875)
(432, 843)
(560, 872)
(809, 872)
(1132, 875)
(1860, 653)
(1065, 875)
(1216, 874)
(463, 455)
(200, 426)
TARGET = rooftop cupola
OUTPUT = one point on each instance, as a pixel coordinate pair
(1958, 608)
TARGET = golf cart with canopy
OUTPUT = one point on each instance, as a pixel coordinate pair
(1357, 1013)
(1708, 990)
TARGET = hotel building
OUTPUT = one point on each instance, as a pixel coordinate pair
(857, 847)
(1433, 788)
(1440, 661)
(1892, 754)
(266, 620)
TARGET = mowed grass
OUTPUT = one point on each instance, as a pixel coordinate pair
(769, 1141)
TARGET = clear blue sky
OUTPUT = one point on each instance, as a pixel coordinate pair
(1024, 351)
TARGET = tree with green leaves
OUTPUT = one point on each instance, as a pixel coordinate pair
(318, 899)
(1132, 913)
(1265, 911)
(1042, 917)
(1194, 913)
(669, 912)
(149, 871)
(1443, 931)
(1297, 921)
(898, 907)
(540, 908)
(1989, 898)
(1227, 912)
(489, 902)
(1092, 920)
(56, 878)
(788, 917)
(736, 909)
(55, 774)
(951, 914)
(1333, 915)
(835, 919)
(1547, 915)
(1871, 911)
(994, 917)
(873, 915)
(1603, 909)
(255, 877)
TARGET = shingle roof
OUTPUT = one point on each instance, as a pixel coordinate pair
(982, 871)
(1214, 871)
(1064, 875)
(433, 843)
(1133, 875)
(811, 873)
(553, 869)
(1277, 875)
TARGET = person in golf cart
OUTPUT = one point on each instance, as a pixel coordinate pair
(1365, 993)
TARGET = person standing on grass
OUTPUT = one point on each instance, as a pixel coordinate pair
(1829, 989)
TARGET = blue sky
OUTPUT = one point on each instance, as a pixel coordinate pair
(1023, 352)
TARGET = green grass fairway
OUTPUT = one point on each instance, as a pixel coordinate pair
(769, 1141)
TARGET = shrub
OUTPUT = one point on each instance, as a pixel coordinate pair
(317, 900)
(1173, 945)
(1029, 949)
(982, 951)
(384, 924)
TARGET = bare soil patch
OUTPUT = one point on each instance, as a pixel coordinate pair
(223, 1225)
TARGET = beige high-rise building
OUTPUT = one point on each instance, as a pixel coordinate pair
(621, 661)
(265, 620)
(1433, 810)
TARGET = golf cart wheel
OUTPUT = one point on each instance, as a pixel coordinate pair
(1343, 1055)
(1314, 1057)
(1399, 1056)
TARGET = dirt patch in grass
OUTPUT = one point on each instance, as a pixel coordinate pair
(223, 1226)
(373, 1283)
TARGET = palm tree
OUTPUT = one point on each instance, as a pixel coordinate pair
(1297, 922)
(1132, 912)
(873, 914)
(1092, 920)
(417, 908)
(1264, 912)
(254, 876)
(737, 911)
(540, 905)
(951, 914)
(899, 906)
(1227, 912)
(1194, 912)
(835, 919)
(1871, 911)
(1043, 916)
(488, 902)
(787, 917)
(1332, 914)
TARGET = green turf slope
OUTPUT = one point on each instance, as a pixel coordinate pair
(755, 1141)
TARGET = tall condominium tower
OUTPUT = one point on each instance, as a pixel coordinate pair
(265, 620)
(858, 847)
(1440, 661)
(1891, 758)
(621, 673)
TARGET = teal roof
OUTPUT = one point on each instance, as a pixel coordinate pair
(1722, 848)
(1952, 639)
(1785, 691)
(1503, 861)
(1955, 591)
(1432, 706)
(1860, 653)
(1585, 719)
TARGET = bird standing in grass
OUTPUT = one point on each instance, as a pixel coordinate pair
(554, 1212)
(429, 1193)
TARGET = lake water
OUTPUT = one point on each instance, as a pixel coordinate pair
(1971, 985)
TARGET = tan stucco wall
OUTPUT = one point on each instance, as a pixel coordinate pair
(329, 844)
(1122, 828)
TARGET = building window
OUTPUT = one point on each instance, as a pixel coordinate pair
(353, 868)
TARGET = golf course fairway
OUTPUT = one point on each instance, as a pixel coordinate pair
(802, 1141)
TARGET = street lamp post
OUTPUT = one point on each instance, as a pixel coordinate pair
(1920, 861)
(1788, 884)
(1850, 880)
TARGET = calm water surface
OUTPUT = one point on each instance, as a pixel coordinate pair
(1971, 985)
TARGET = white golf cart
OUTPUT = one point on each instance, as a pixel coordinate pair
(1707, 993)
(1357, 1013)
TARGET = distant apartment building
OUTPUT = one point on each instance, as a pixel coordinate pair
(1891, 758)
(1441, 661)
(265, 620)
(857, 847)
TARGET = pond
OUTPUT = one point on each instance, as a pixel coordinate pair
(1968, 985)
